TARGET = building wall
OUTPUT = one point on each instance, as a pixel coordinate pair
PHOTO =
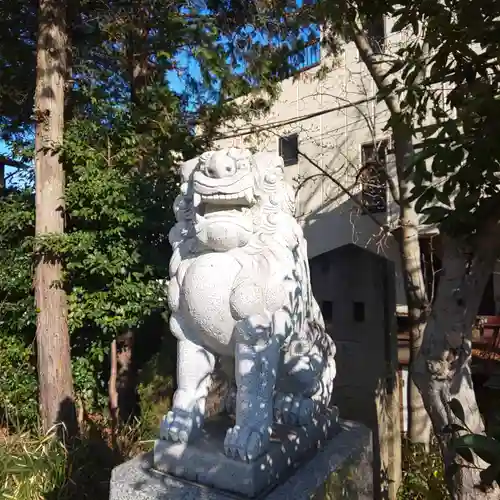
(347, 116)
(356, 287)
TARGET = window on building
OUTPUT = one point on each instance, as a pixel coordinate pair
(375, 30)
(289, 149)
(373, 176)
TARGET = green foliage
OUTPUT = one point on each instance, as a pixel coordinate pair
(126, 132)
(423, 474)
(30, 468)
(17, 313)
(116, 250)
(18, 384)
(18, 389)
(18, 24)
(445, 80)
(124, 137)
(342, 484)
(157, 386)
(455, 173)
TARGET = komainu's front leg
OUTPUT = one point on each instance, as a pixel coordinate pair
(257, 359)
(195, 366)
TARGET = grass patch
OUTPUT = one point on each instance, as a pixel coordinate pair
(34, 467)
(31, 468)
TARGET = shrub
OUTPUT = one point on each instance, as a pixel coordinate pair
(18, 384)
(157, 385)
(423, 474)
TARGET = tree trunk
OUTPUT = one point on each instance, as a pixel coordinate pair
(126, 379)
(113, 393)
(442, 369)
(419, 424)
(53, 346)
(138, 64)
(139, 73)
(416, 294)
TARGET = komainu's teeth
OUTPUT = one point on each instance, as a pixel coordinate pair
(249, 195)
(184, 188)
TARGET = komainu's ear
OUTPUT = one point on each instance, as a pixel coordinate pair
(188, 167)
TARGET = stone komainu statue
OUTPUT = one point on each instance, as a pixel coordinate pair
(240, 291)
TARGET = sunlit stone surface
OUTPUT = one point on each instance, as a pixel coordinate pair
(240, 290)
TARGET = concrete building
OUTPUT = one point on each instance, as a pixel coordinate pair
(329, 130)
(335, 122)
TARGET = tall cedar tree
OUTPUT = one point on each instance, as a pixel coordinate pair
(53, 345)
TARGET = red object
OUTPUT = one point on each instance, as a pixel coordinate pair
(491, 325)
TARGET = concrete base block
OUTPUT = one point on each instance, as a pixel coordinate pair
(340, 469)
(204, 461)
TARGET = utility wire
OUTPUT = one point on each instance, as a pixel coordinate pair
(263, 128)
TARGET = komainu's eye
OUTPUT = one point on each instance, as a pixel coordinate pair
(231, 168)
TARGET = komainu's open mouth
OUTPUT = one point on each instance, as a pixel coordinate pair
(224, 203)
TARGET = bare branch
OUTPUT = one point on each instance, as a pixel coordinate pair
(9, 162)
(344, 190)
(304, 181)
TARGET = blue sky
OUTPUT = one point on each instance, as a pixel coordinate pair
(4, 150)
(190, 67)
(186, 61)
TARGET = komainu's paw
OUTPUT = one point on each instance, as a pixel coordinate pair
(246, 443)
(294, 409)
(181, 425)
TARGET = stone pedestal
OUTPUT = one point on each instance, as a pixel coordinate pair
(204, 461)
(340, 469)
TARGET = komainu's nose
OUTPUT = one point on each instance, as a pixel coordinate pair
(220, 167)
